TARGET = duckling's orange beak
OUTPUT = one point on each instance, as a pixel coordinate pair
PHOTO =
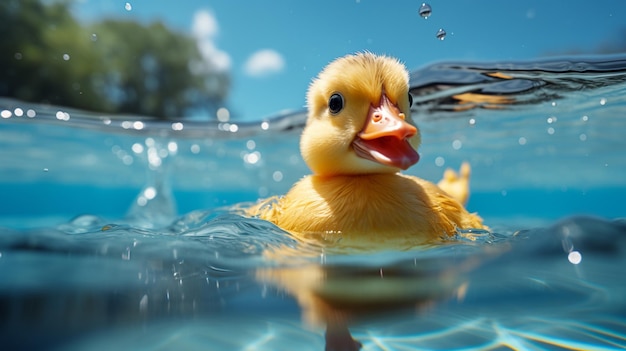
(385, 137)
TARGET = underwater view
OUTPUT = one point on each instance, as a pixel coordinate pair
(144, 151)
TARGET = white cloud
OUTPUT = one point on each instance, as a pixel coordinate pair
(264, 62)
(204, 24)
(205, 29)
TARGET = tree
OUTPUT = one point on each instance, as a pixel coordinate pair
(113, 66)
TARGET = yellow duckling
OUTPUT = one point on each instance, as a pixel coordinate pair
(358, 137)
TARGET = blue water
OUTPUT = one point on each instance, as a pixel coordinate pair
(121, 235)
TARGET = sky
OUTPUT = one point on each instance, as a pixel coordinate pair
(273, 49)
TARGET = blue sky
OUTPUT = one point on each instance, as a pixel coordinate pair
(293, 40)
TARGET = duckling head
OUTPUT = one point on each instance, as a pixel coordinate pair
(359, 118)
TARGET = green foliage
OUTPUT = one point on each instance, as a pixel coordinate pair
(112, 66)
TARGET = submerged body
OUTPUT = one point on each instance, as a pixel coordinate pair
(358, 137)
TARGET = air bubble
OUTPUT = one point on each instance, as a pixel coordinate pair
(66, 57)
(425, 11)
(128, 6)
(441, 34)
(94, 37)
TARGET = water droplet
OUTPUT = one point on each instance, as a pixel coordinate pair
(425, 10)
(277, 176)
(439, 161)
(150, 193)
(18, 112)
(94, 37)
(472, 121)
(137, 148)
(18, 55)
(223, 115)
(550, 130)
(62, 116)
(441, 34)
(177, 126)
(584, 118)
(575, 257)
(582, 137)
(66, 57)
(128, 6)
(522, 141)
(456, 144)
(603, 101)
(45, 170)
(172, 147)
(252, 158)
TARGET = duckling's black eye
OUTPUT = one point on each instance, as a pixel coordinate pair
(410, 100)
(335, 103)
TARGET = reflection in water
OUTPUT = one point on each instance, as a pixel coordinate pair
(337, 296)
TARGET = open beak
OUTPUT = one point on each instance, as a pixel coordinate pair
(385, 137)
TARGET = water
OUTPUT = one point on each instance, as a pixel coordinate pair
(123, 232)
(425, 11)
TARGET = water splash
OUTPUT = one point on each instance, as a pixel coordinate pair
(155, 206)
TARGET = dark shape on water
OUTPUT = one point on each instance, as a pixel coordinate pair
(451, 87)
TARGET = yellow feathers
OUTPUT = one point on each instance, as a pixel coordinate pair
(361, 80)
(359, 135)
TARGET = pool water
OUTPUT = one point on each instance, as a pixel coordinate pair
(119, 232)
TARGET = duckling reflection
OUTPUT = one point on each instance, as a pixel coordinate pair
(337, 296)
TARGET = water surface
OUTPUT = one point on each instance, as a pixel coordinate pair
(119, 231)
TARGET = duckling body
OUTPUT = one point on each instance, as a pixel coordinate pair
(358, 137)
(382, 209)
